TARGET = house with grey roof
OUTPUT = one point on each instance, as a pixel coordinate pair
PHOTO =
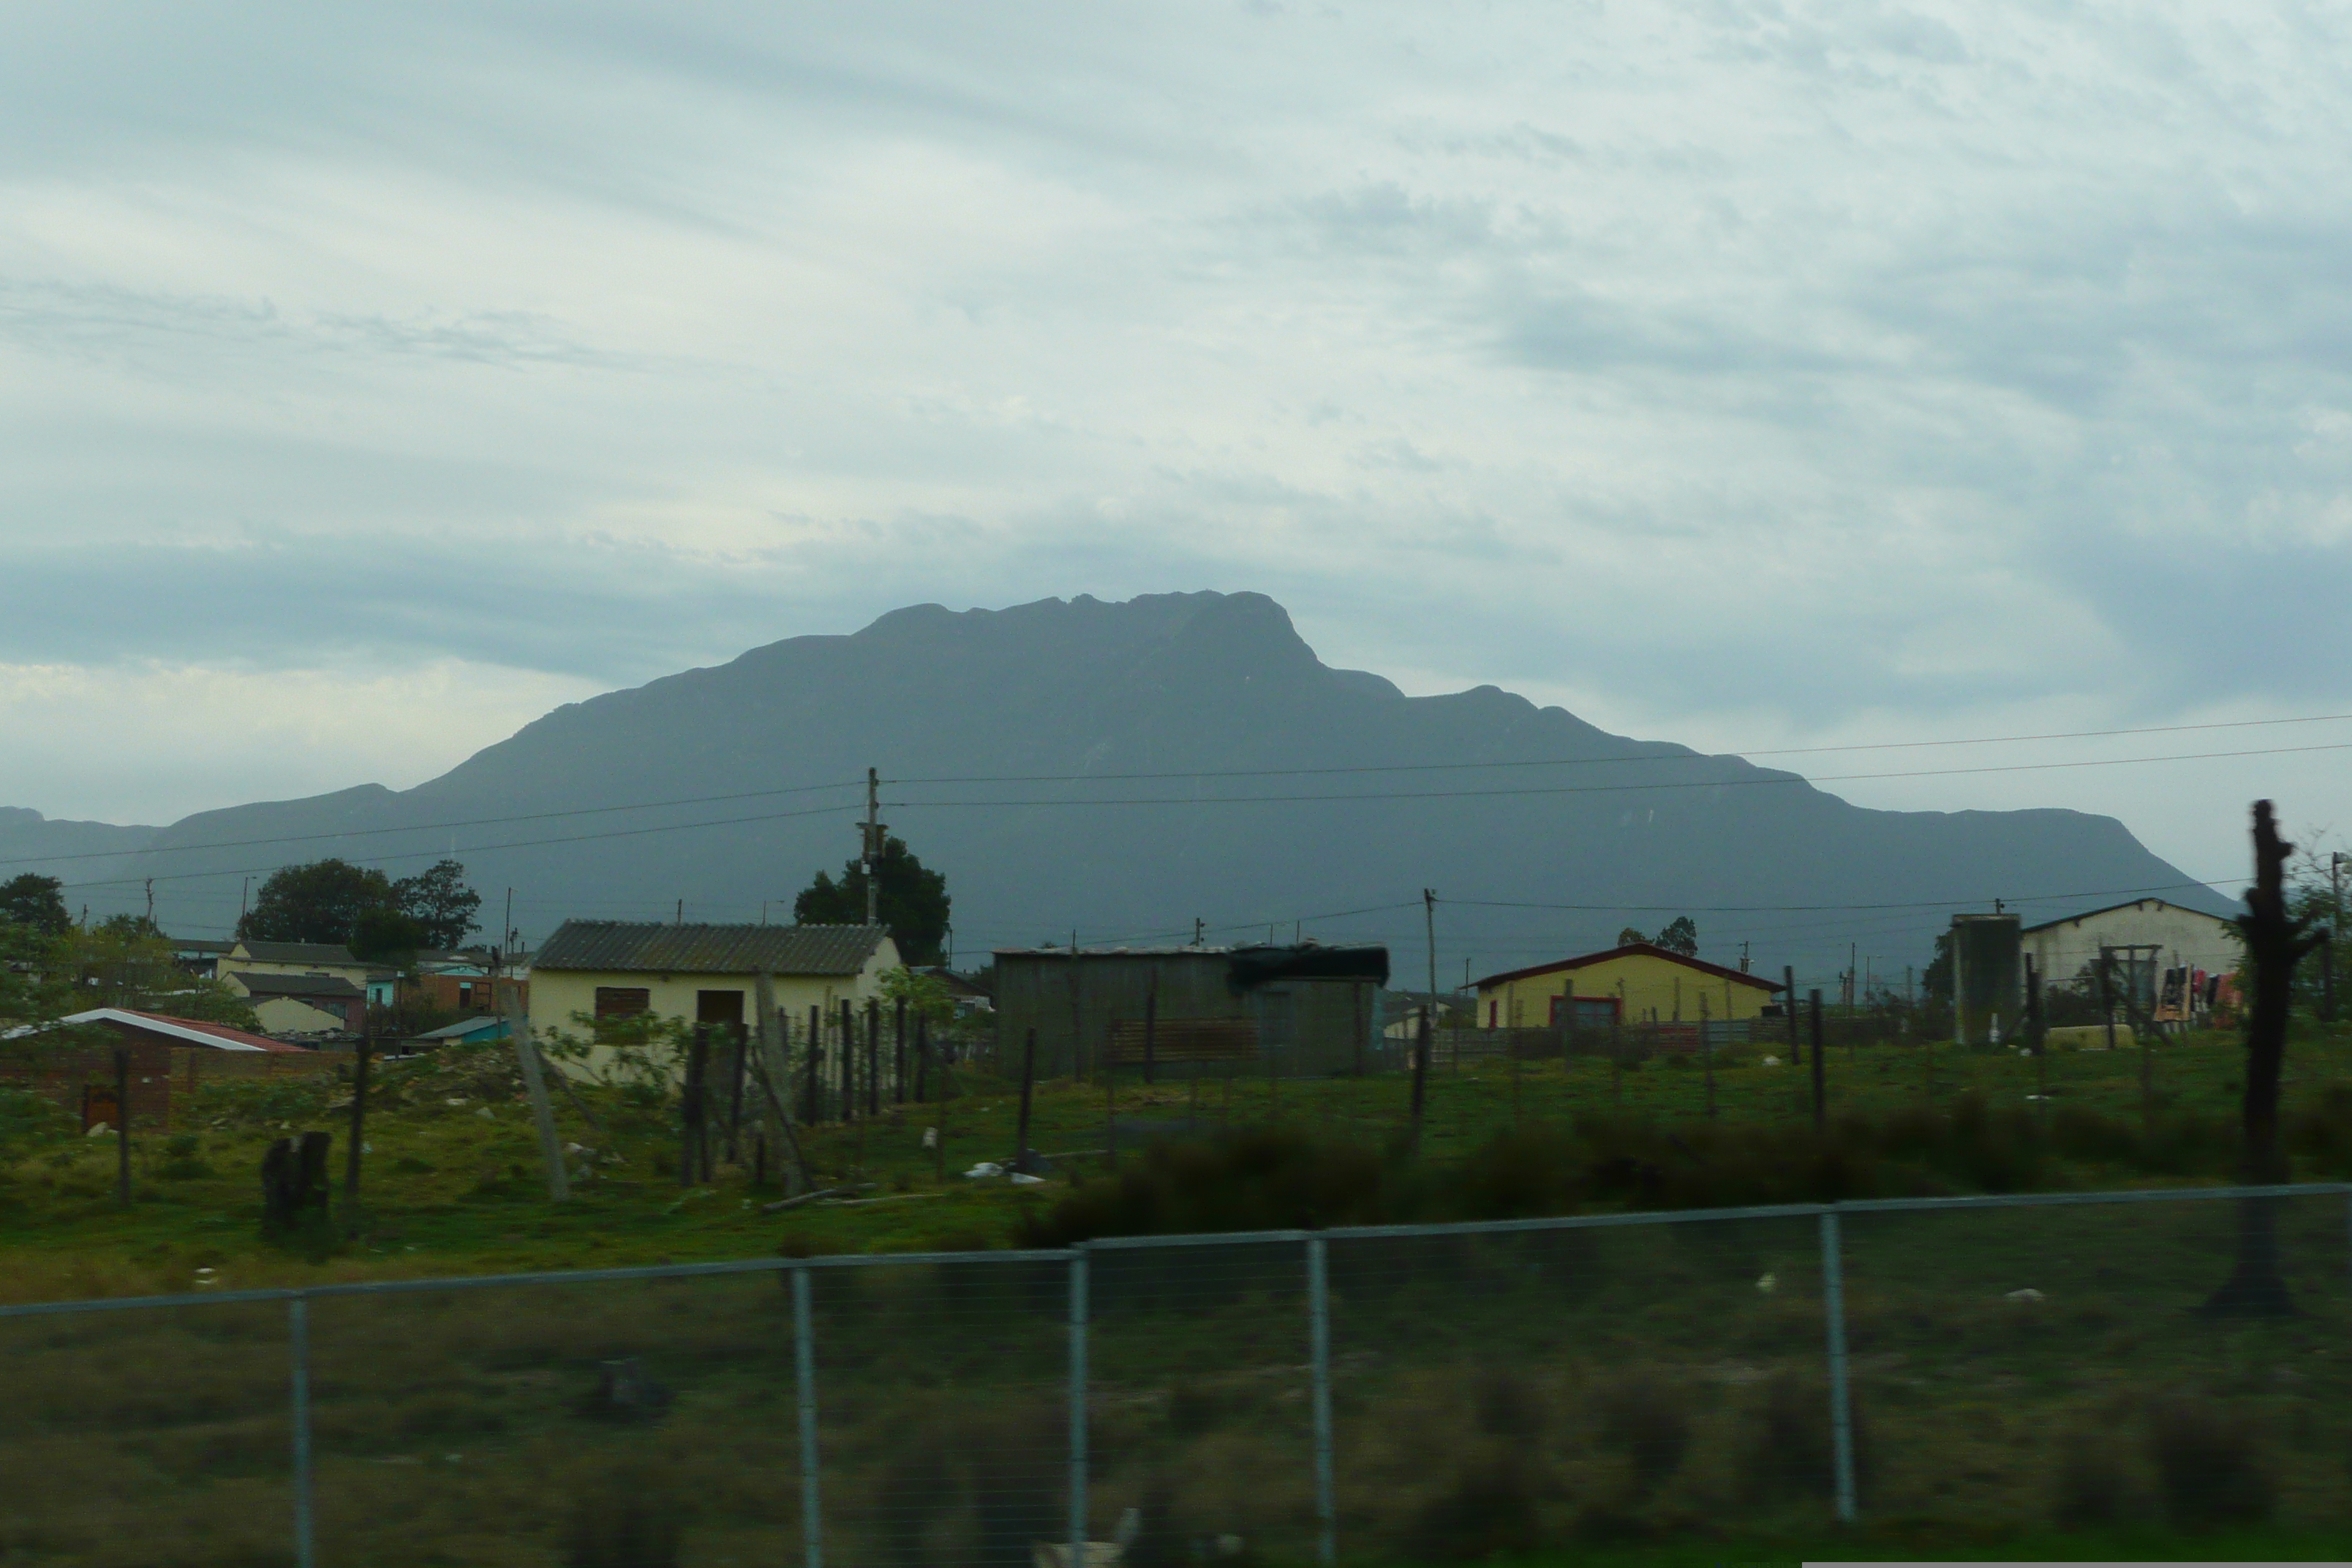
(293, 958)
(301, 1003)
(593, 974)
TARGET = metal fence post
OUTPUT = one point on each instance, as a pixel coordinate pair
(298, 1338)
(1318, 1320)
(804, 1390)
(1841, 1407)
(1078, 1409)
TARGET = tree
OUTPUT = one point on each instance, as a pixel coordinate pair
(386, 934)
(1936, 980)
(440, 903)
(1681, 935)
(1629, 937)
(319, 903)
(2276, 940)
(37, 901)
(913, 902)
(336, 902)
(131, 928)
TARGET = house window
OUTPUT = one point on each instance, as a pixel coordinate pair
(623, 1001)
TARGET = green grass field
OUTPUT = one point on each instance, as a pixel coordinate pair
(457, 1188)
(2027, 1382)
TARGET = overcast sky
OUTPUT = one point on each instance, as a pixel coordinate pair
(1742, 375)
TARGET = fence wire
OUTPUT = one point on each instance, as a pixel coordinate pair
(1397, 1394)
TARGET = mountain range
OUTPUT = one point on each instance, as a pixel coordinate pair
(1118, 771)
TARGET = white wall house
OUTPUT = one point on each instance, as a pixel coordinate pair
(592, 970)
(2067, 950)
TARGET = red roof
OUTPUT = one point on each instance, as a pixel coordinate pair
(171, 1031)
(1641, 949)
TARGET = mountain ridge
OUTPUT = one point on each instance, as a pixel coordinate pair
(1008, 734)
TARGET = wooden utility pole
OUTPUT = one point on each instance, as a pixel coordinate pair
(2035, 1035)
(543, 1115)
(123, 1124)
(815, 1111)
(1820, 1086)
(1150, 1024)
(359, 1122)
(690, 1107)
(898, 1067)
(873, 1058)
(848, 1060)
(775, 1072)
(1789, 1003)
(1419, 1076)
(873, 846)
(2275, 940)
(1021, 1161)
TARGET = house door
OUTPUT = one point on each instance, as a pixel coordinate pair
(720, 1007)
(98, 1105)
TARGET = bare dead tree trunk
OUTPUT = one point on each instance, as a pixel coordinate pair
(2275, 942)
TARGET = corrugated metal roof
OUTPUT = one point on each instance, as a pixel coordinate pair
(294, 984)
(297, 952)
(709, 949)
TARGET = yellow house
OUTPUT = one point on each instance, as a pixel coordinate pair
(1639, 984)
(592, 970)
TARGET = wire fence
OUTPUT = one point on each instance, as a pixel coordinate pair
(1424, 1393)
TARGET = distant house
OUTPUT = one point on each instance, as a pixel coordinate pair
(465, 993)
(2067, 952)
(592, 971)
(1637, 983)
(200, 957)
(465, 1032)
(293, 958)
(302, 1003)
(165, 1055)
(1302, 1008)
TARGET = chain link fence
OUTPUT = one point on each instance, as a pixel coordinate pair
(1437, 1393)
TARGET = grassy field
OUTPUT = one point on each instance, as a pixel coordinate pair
(2029, 1383)
(452, 1181)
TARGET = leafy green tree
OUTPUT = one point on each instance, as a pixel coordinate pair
(321, 901)
(440, 903)
(389, 936)
(131, 928)
(912, 902)
(1629, 937)
(335, 901)
(1681, 935)
(36, 901)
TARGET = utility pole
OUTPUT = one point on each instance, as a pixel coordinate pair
(872, 845)
(150, 903)
(241, 900)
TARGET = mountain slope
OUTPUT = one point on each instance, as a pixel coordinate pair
(1052, 699)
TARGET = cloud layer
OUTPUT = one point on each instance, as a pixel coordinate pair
(1737, 372)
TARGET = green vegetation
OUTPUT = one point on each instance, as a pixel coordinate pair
(2030, 1382)
(456, 1187)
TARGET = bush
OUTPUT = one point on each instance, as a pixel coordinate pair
(622, 1529)
(2092, 1490)
(1646, 1418)
(1490, 1511)
(2210, 1466)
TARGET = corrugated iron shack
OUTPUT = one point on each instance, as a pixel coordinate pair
(1296, 1010)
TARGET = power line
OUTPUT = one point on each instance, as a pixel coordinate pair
(425, 826)
(1621, 788)
(1681, 756)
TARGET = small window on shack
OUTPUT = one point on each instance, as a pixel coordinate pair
(623, 1001)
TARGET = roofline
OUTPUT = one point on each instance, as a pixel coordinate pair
(2111, 909)
(1648, 949)
(881, 933)
(162, 1026)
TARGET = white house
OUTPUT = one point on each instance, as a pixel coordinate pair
(2067, 951)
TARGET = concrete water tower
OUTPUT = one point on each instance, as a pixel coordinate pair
(1988, 980)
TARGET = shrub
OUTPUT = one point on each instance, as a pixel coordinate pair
(623, 1525)
(2210, 1466)
(1647, 1418)
(2093, 1489)
(1488, 1511)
